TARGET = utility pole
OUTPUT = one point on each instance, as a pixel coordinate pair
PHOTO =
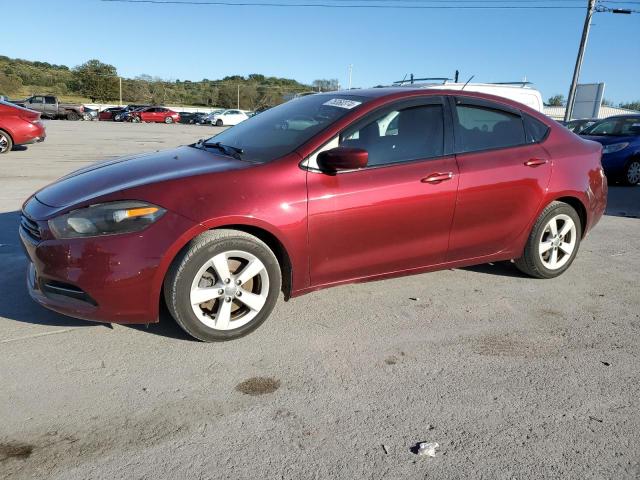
(350, 74)
(238, 96)
(120, 79)
(591, 9)
(576, 72)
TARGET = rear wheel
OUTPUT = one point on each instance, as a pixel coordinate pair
(73, 116)
(632, 172)
(553, 242)
(6, 144)
(223, 285)
(168, 120)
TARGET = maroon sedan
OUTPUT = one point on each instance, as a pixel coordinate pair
(155, 115)
(19, 126)
(323, 190)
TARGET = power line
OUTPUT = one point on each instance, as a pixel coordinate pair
(516, 6)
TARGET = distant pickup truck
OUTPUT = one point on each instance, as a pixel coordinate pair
(50, 107)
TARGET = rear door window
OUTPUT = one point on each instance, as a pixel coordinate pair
(484, 128)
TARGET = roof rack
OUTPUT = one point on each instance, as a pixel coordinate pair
(524, 84)
(411, 80)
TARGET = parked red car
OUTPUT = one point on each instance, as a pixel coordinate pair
(19, 126)
(323, 190)
(109, 113)
(155, 115)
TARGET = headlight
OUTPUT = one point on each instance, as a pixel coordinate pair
(615, 147)
(105, 219)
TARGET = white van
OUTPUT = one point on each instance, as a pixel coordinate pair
(519, 92)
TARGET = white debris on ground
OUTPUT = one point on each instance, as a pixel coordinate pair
(428, 449)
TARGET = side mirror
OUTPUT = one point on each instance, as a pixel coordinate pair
(342, 158)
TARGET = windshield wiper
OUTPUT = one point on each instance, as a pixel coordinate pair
(226, 149)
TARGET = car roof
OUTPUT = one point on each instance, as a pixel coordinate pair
(627, 115)
(407, 92)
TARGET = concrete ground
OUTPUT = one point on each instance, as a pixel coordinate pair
(513, 377)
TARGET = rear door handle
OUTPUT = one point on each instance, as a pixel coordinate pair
(536, 162)
(437, 177)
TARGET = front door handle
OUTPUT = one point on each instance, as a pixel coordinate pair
(535, 162)
(437, 177)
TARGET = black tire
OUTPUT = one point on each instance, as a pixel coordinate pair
(6, 142)
(530, 262)
(219, 123)
(630, 176)
(184, 268)
(168, 120)
(73, 116)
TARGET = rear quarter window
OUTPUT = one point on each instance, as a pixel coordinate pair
(535, 130)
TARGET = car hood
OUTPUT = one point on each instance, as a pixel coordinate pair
(120, 174)
(610, 139)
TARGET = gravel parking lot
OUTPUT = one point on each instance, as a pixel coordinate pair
(513, 377)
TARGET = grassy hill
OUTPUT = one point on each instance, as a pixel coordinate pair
(21, 78)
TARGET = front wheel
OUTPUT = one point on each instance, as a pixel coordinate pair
(168, 120)
(223, 285)
(219, 123)
(553, 242)
(632, 173)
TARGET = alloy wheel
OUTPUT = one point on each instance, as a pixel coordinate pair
(229, 290)
(4, 143)
(558, 242)
(633, 173)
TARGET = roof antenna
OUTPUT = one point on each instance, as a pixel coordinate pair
(471, 78)
(456, 76)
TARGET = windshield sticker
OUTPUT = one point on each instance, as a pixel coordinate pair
(342, 103)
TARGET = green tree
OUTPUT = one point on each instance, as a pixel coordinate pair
(631, 105)
(556, 101)
(326, 85)
(607, 103)
(96, 80)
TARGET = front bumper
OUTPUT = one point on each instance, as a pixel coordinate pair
(113, 279)
(615, 163)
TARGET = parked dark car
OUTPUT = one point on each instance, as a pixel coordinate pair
(192, 117)
(125, 114)
(19, 126)
(199, 118)
(620, 138)
(577, 126)
(109, 113)
(50, 107)
(186, 117)
(380, 183)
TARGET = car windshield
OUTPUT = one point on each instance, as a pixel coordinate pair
(615, 127)
(280, 130)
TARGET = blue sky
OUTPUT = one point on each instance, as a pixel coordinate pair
(194, 42)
